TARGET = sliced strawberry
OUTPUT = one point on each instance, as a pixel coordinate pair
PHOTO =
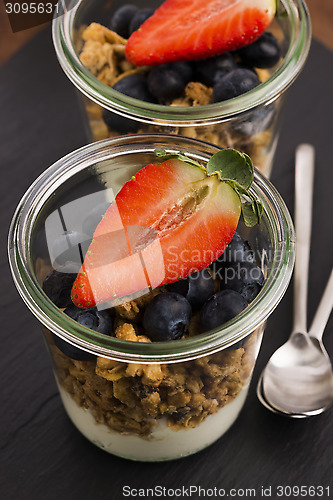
(195, 29)
(168, 221)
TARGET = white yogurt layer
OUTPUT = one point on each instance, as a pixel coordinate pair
(163, 443)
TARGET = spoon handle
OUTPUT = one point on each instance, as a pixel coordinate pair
(304, 177)
(323, 312)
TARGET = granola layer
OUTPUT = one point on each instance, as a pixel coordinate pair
(130, 398)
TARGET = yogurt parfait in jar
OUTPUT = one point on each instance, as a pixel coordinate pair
(211, 70)
(152, 263)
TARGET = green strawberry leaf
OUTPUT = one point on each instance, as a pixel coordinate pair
(232, 165)
(236, 169)
(252, 208)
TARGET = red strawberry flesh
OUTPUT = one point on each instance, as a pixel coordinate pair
(167, 222)
(196, 29)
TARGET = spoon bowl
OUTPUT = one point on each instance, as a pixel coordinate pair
(298, 379)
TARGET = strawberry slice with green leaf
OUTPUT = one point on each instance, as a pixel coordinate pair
(181, 30)
(169, 220)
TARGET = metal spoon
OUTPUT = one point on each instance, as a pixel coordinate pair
(298, 378)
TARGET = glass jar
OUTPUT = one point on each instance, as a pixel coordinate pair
(249, 122)
(137, 399)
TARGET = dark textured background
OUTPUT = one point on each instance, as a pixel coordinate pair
(42, 455)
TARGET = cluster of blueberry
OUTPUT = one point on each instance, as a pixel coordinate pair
(128, 18)
(230, 74)
(57, 286)
(168, 315)
(223, 73)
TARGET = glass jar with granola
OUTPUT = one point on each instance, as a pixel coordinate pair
(153, 330)
(231, 98)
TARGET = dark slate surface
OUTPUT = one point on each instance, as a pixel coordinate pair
(42, 454)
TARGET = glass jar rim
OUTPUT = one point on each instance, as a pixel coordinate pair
(108, 98)
(54, 319)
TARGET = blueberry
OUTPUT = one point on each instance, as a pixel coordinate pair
(134, 86)
(243, 277)
(196, 288)
(70, 246)
(100, 321)
(220, 308)
(184, 68)
(209, 71)
(58, 285)
(255, 121)
(234, 83)
(165, 82)
(94, 217)
(139, 18)
(71, 351)
(167, 317)
(242, 65)
(238, 250)
(122, 18)
(263, 53)
(119, 123)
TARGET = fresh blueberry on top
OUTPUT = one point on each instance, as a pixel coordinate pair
(119, 123)
(100, 321)
(263, 53)
(242, 65)
(234, 83)
(209, 71)
(220, 308)
(238, 250)
(134, 86)
(196, 288)
(165, 82)
(122, 18)
(58, 285)
(184, 68)
(255, 121)
(167, 317)
(245, 278)
(139, 18)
